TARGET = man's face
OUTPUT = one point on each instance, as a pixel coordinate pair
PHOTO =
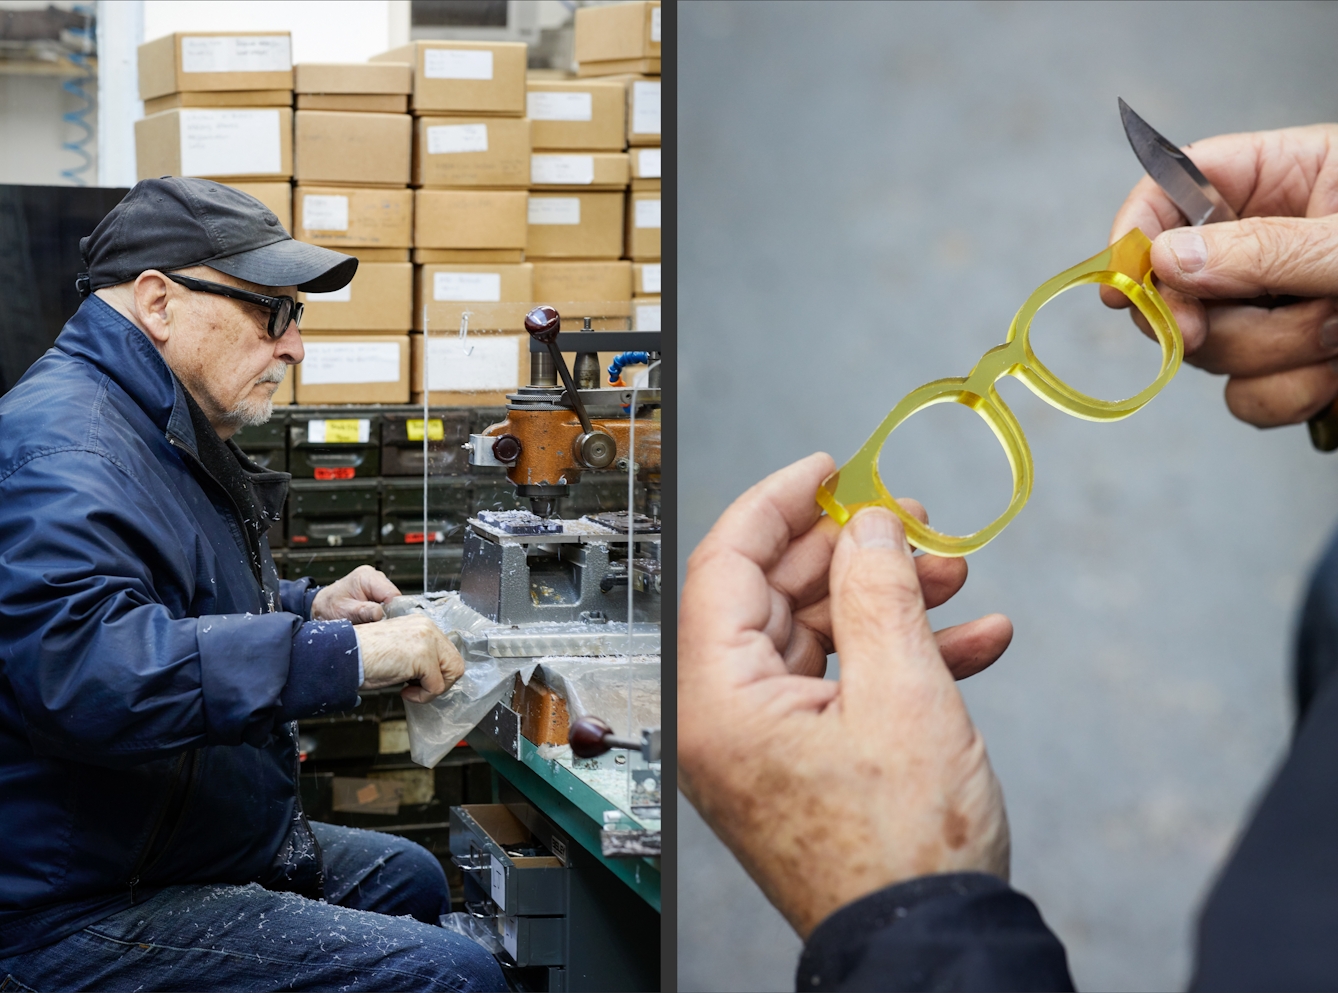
(223, 353)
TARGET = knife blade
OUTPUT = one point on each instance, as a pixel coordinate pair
(1196, 198)
(1174, 172)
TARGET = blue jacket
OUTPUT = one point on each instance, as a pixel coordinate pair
(151, 663)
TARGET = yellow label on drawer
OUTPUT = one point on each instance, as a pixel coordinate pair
(435, 431)
(344, 432)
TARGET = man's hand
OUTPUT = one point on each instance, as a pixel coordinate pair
(357, 597)
(408, 648)
(827, 791)
(1284, 186)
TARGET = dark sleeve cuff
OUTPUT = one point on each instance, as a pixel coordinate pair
(297, 595)
(322, 672)
(958, 931)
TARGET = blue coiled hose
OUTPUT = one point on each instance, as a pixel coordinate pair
(626, 359)
(75, 86)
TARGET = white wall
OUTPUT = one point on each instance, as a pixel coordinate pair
(31, 125)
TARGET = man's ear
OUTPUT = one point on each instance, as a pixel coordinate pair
(152, 295)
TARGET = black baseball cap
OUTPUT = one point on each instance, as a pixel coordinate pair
(177, 222)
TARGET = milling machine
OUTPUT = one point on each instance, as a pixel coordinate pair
(524, 567)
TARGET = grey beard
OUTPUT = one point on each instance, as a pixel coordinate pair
(252, 413)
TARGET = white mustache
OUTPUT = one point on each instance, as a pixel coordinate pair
(274, 374)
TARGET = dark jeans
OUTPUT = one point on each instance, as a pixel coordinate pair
(377, 931)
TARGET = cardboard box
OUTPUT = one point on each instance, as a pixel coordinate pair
(601, 291)
(380, 298)
(216, 143)
(278, 197)
(618, 32)
(368, 368)
(571, 282)
(360, 149)
(571, 114)
(641, 67)
(497, 297)
(395, 78)
(353, 217)
(646, 313)
(645, 162)
(472, 152)
(643, 226)
(579, 171)
(215, 60)
(471, 219)
(645, 186)
(495, 365)
(646, 278)
(643, 111)
(220, 98)
(575, 225)
(377, 254)
(359, 103)
(464, 77)
(468, 256)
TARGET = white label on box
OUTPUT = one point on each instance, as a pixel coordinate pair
(316, 429)
(473, 287)
(648, 213)
(647, 317)
(655, 24)
(555, 210)
(650, 278)
(648, 163)
(510, 929)
(445, 139)
(342, 295)
(230, 142)
(239, 53)
(498, 882)
(492, 363)
(559, 106)
(457, 63)
(645, 108)
(324, 213)
(562, 170)
(351, 362)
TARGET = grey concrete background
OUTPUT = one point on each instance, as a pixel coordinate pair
(867, 193)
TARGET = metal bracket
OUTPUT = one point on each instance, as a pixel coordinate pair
(609, 341)
(502, 725)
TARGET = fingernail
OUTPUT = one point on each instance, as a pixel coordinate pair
(877, 529)
(1186, 244)
(1328, 332)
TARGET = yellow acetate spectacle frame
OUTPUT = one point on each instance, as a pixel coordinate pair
(1125, 265)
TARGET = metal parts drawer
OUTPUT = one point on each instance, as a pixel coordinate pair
(520, 875)
(339, 447)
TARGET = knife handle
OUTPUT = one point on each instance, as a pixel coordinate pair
(1324, 425)
(1324, 428)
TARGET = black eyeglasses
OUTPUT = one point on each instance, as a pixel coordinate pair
(281, 309)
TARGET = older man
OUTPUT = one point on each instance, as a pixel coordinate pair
(152, 663)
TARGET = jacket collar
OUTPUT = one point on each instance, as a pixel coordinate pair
(101, 335)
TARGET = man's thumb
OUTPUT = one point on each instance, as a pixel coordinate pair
(879, 622)
(1250, 257)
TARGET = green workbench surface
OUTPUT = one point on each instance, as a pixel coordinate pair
(570, 803)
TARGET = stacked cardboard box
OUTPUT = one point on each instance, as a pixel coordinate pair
(470, 173)
(219, 105)
(352, 158)
(621, 42)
